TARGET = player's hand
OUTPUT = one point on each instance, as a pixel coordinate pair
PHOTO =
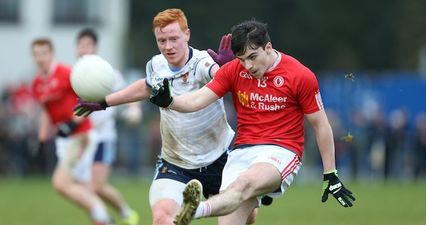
(160, 94)
(224, 53)
(84, 108)
(332, 185)
(65, 129)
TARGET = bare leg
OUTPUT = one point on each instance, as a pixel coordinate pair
(164, 211)
(259, 179)
(238, 198)
(76, 192)
(237, 217)
(100, 174)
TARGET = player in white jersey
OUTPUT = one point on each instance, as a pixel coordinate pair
(194, 146)
(104, 124)
(196, 139)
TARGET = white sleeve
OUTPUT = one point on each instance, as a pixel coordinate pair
(203, 69)
(149, 70)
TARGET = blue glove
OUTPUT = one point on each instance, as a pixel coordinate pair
(84, 108)
(224, 53)
(332, 185)
(161, 95)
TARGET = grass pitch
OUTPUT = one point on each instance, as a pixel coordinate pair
(32, 201)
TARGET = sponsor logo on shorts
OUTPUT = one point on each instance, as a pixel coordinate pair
(165, 169)
(275, 159)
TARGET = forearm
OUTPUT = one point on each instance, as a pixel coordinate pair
(185, 103)
(193, 101)
(137, 91)
(324, 137)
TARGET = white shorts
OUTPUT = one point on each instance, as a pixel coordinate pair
(166, 189)
(240, 159)
(105, 152)
(75, 153)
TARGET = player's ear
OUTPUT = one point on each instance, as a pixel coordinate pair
(187, 34)
(268, 48)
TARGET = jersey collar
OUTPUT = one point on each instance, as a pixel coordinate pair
(277, 60)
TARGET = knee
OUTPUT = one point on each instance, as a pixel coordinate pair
(160, 217)
(59, 184)
(243, 187)
(97, 188)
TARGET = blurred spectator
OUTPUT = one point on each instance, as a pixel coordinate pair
(420, 146)
(359, 148)
(397, 146)
(155, 139)
(21, 124)
(342, 140)
(375, 134)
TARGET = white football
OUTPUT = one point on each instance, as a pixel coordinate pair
(92, 78)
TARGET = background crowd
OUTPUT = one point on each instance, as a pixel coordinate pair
(369, 57)
(379, 124)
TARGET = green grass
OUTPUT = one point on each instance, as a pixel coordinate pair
(33, 202)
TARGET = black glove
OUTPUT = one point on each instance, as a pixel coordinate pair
(334, 186)
(160, 94)
(266, 200)
(65, 129)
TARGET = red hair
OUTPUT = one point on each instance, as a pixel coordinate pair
(42, 41)
(169, 16)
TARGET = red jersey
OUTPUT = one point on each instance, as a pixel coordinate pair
(55, 94)
(270, 110)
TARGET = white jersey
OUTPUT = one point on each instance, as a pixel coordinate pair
(104, 121)
(190, 140)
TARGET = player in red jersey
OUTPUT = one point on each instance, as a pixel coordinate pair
(272, 94)
(75, 142)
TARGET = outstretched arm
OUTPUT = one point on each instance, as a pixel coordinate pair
(137, 91)
(188, 102)
(194, 101)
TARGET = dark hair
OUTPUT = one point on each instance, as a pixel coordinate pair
(88, 32)
(249, 34)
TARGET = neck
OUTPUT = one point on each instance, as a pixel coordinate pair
(274, 58)
(46, 71)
